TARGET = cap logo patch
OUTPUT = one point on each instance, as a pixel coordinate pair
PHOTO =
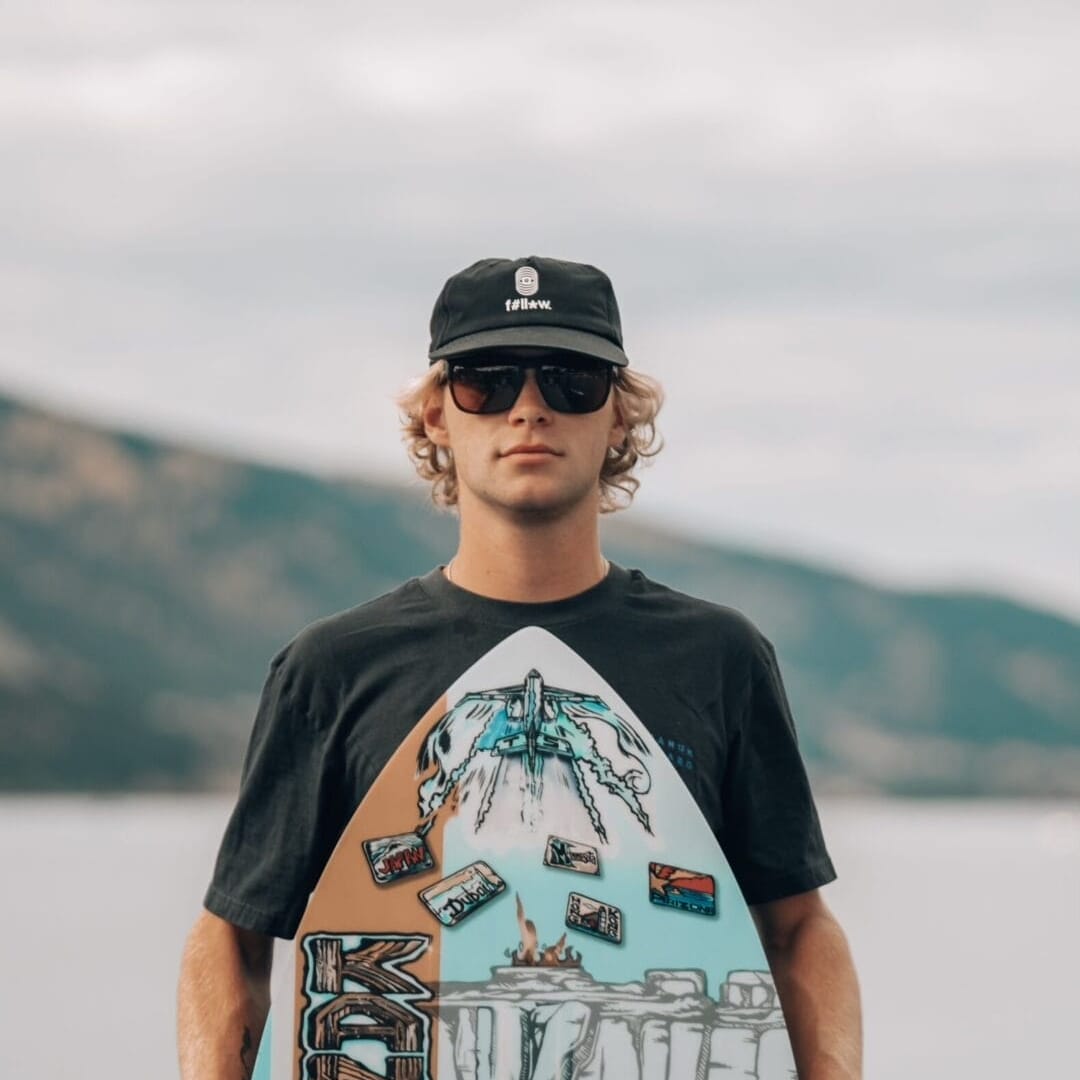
(526, 281)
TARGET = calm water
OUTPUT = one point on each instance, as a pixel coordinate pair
(964, 919)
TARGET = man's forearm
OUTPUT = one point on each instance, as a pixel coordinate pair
(222, 1001)
(819, 991)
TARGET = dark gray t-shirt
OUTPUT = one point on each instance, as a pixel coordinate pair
(342, 695)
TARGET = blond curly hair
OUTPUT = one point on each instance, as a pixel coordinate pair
(637, 400)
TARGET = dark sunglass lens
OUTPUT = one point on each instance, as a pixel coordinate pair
(575, 389)
(486, 389)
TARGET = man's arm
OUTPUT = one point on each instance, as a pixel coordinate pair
(223, 999)
(816, 980)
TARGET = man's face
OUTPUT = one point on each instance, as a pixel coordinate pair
(529, 461)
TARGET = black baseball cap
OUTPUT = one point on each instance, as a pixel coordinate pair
(533, 301)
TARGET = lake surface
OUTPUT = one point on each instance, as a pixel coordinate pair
(963, 917)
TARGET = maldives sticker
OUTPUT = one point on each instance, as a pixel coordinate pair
(594, 917)
(686, 890)
(393, 857)
(460, 894)
(570, 855)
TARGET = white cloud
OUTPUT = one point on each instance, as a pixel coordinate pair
(845, 236)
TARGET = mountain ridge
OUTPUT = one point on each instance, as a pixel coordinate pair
(154, 580)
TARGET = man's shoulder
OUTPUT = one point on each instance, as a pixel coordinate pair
(655, 598)
(687, 613)
(368, 625)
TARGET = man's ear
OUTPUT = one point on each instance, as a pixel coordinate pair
(434, 416)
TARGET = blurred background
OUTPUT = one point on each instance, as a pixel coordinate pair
(844, 237)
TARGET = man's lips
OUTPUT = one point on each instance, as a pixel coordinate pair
(530, 448)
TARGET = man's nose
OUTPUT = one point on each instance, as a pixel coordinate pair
(530, 404)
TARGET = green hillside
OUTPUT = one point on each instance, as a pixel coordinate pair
(146, 586)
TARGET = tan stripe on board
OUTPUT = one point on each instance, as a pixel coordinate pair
(348, 901)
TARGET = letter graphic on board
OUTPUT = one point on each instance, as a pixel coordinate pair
(356, 992)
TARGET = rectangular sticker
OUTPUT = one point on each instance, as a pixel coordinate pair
(594, 917)
(686, 890)
(570, 855)
(393, 857)
(460, 894)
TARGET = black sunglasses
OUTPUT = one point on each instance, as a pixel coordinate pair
(580, 386)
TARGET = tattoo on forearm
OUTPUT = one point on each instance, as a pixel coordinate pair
(247, 1061)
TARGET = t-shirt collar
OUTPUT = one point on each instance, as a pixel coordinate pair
(544, 613)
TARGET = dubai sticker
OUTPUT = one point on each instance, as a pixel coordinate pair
(570, 855)
(687, 890)
(460, 894)
(393, 857)
(594, 917)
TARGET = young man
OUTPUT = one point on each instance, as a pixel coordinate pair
(530, 423)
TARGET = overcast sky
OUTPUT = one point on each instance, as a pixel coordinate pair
(846, 236)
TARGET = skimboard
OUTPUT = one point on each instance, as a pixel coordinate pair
(528, 891)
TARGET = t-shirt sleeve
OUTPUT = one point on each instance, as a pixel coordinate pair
(289, 813)
(771, 833)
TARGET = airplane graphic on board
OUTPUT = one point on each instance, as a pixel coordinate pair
(534, 723)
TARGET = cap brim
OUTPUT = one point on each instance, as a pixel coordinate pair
(549, 337)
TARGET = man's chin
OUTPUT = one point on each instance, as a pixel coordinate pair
(542, 506)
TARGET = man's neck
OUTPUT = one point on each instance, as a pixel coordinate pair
(529, 562)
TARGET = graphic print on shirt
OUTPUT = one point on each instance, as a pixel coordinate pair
(579, 920)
